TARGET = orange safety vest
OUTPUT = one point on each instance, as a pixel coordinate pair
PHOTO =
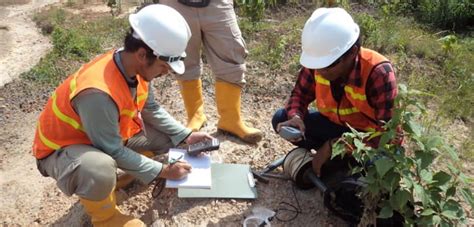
(353, 108)
(59, 125)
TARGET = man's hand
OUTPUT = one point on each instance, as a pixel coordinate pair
(175, 171)
(322, 156)
(295, 122)
(196, 137)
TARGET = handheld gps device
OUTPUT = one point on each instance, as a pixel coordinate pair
(207, 145)
(290, 133)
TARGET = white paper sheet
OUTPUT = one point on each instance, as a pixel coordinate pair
(200, 176)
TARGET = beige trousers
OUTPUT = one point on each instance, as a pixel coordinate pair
(215, 29)
(89, 172)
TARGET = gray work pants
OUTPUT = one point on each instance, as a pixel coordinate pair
(89, 172)
(215, 29)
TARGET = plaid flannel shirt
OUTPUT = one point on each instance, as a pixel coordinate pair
(381, 90)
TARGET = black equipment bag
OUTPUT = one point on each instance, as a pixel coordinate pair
(195, 3)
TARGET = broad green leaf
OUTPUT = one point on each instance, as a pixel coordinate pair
(449, 214)
(386, 137)
(436, 220)
(407, 182)
(338, 149)
(360, 146)
(433, 142)
(424, 159)
(435, 195)
(383, 165)
(427, 212)
(451, 209)
(451, 191)
(441, 178)
(356, 169)
(386, 212)
(400, 199)
(414, 128)
(467, 195)
(452, 152)
(420, 193)
(426, 176)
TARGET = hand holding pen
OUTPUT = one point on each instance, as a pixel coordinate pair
(176, 169)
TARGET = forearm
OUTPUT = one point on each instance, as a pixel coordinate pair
(156, 116)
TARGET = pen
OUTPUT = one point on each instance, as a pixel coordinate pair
(175, 160)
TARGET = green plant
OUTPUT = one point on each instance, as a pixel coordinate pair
(445, 14)
(115, 7)
(75, 41)
(425, 173)
(253, 9)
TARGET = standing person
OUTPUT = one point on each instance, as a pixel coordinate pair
(214, 27)
(349, 84)
(101, 116)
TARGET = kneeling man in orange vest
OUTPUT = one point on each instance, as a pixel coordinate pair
(101, 116)
(349, 84)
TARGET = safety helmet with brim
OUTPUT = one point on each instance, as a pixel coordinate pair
(327, 35)
(165, 31)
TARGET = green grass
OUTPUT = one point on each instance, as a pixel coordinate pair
(75, 41)
(275, 43)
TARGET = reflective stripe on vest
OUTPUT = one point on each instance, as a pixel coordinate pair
(353, 108)
(59, 125)
(347, 89)
(63, 117)
(45, 140)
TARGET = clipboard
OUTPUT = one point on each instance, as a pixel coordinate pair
(232, 181)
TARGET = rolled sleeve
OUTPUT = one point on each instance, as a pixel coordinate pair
(302, 95)
(156, 116)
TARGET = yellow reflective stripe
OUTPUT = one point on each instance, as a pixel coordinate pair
(127, 112)
(141, 97)
(321, 80)
(46, 141)
(73, 87)
(353, 94)
(346, 111)
(63, 117)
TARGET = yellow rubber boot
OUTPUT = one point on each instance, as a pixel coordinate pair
(105, 213)
(124, 179)
(228, 106)
(191, 91)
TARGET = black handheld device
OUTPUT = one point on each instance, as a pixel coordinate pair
(207, 145)
(290, 133)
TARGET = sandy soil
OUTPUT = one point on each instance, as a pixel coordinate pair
(20, 38)
(27, 198)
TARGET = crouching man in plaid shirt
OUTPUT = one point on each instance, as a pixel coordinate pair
(349, 84)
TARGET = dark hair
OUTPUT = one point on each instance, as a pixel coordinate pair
(132, 44)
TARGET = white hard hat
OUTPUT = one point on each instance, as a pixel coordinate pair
(327, 35)
(165, 31)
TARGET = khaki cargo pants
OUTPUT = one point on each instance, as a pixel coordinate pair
(90, 173)
(215, 29)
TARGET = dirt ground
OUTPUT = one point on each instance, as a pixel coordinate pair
(27, 198)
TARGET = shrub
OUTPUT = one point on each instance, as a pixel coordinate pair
(399, 175)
